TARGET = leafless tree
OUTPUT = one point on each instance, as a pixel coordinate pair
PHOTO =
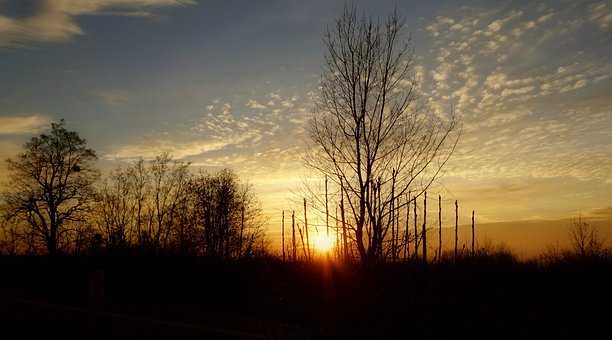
(143, 204)
(368, 132)
(585, 239)
(160, 206)
(170, 180)
(227, 213)
(116, 209)
(51, 185)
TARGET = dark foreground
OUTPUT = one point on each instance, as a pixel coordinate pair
(183, 298)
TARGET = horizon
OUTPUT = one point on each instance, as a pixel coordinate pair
(225, 85)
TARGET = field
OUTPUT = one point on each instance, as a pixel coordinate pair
(490, 296)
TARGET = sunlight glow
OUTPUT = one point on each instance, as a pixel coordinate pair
(323, 243)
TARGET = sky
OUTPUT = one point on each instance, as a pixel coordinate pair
(231, 84)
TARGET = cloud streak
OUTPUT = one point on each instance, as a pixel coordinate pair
(55, 21)
(27, 124)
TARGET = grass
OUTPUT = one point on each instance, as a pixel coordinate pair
(475, 296)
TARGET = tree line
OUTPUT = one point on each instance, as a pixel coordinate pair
(57, 202)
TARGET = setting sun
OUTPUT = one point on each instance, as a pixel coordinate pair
(323, 243)
(337, 169)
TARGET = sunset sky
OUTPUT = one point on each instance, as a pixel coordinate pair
(231, 84)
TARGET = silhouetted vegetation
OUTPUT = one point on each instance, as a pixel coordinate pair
(477, 296)
(208, 273)
(157, 249)
(50, 188)
(54, 204)
(370, 135)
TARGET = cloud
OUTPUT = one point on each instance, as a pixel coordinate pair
(601, 14)
(253, 104)
(55, 21)
(515, 93)
(229, 134)
(17, 125)
(602, 212)
(497, 25)
(512, 92)
(153, 148)
(112, 97)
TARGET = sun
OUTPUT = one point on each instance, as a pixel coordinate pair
(323, 243)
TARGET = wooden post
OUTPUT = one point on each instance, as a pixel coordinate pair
(283, 235)
(406, 237)
(473, 233)
(338, 243)
(306, 230)
(424, 231)
(326, 209)
(397, 233)
(392, 217)
(344, 243)
(416, 232)
(439, 228)
(456, 227)
(303, 246)
(241, 230)
(293, 234)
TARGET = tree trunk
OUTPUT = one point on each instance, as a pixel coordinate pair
(282, 235)
(344, 240)
(473, 233)
(439, 228)
(456, 227)
(416, 232)
(406, 237)
(424, 231)
(306, 230)
(293, 235)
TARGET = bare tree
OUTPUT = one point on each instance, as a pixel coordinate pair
(170, 181)
(51, 185)
(585, 239)
(116, 210)
(369, 135)
(159, 206)
(227, 214)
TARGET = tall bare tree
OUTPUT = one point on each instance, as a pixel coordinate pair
(51, 185)
(367, 130)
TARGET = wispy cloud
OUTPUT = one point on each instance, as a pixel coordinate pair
(227, 133)
(602, 212)
(23, 124)
(253, 104)
(56, 20)
(601, 14)
(112, 97)
(528, 110)
(149, 149)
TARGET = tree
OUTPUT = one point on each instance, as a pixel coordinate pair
(227, 213)
(368, 132)
(585, 239)
(51, 185)
(161, 207)
(116, 210)
(144, 204)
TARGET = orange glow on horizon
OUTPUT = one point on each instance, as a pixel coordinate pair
(323, 243)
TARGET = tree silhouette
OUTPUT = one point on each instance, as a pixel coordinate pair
(160, 206)
(585, 239)
(368, 132)
(51, 185)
